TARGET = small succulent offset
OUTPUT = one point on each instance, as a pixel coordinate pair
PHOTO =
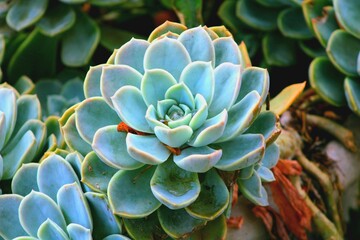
(336, 77)
(22, 133)
(48, 203)
(173, 122)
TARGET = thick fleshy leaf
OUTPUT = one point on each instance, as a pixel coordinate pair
(271, 157)
(168, 54)
(248, 186)
(327, 81)
(213, 230)
(116, 237)
(30, 57)
(80, 41)
(50, 230)
(74, 206)
(57, 20)
(24, 85)
(29, 107)
(181, 94)
(254, 78)
(227, 15)
(178, 223)
(9, 210)
(313, 10)
(256, 15)
(174, 187)
(352, 90)
(162, 107)
(213, 198)
(25, 179)
(312, 48)
(77, 231)
(9, 108)
(281, 102)
(144, 228)
(210, 131)
(241, 116)
(24, 13)
(155, 84)
(201, 113)
(130, 194)
(35, 209)
(344, 58)
(291, 23)
(325, 25)
(95, 173)
(241, 152)
(130, 106)
(53, 173)
(198, 44)
(75, 159)
(72, 137)
(279, 50)
(226, 51)
(246, 173)
(265, 174)
(93, 114)
(199, 159)
(173, 137)
(2, 48)
(146, 149)
(92, 81)
(166, 27)
(185, 120)
(22, 152)
(114, 77)
(358, 64)
(227, 87)
(266, 125)
(1, 166)
(153, 118)
(347, 12)
(199, 78)
(110, 146)
(37, 127)
(104, 221)
(132, 54)
(53, 128)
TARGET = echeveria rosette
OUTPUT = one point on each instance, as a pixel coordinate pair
(48, 202)
(22, 133)
(188, 110)
(336, 77)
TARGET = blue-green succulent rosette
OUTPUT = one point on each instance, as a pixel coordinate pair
(189, 114)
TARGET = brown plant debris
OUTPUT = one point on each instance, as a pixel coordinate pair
(235, 222)
(294, 214)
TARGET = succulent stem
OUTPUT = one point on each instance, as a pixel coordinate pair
(326, 184)
(323, 225)
(344, 135)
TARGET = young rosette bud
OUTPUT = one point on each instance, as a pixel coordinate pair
(176, 115)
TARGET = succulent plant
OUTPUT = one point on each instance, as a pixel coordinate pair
(34, 31)
(48, 202)
(22, 133)
(336, 77)
(169, 124)
(276, 27)
(55, 97)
